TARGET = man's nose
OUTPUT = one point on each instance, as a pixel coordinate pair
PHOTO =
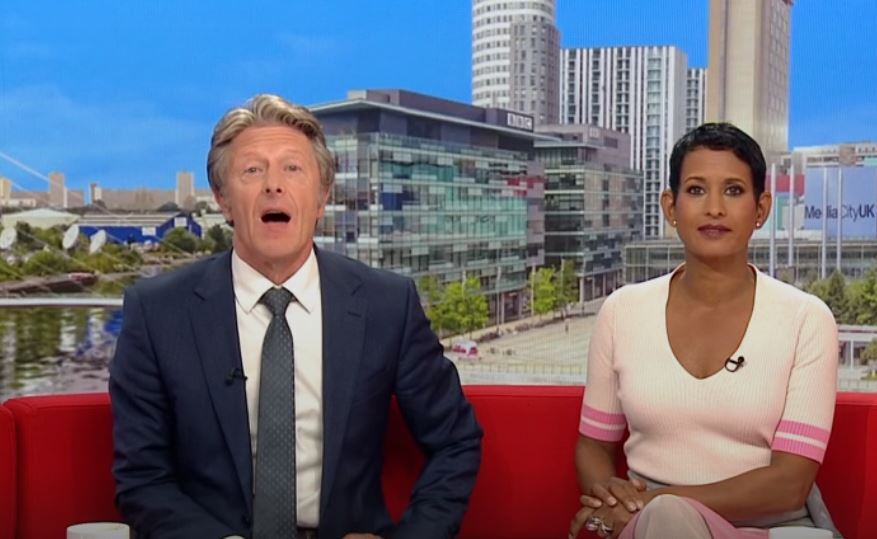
(273, 182)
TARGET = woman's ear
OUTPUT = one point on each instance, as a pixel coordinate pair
(668, 206)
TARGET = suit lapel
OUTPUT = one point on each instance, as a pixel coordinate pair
(216, 336)
(344, 311)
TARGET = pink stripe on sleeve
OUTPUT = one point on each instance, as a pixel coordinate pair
(804, 429)
(603, 417)
(598, 433)
(798, 447)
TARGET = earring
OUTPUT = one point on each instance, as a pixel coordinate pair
(757, 224)
(674, 223)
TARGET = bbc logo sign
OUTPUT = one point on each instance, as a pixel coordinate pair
(519, 121)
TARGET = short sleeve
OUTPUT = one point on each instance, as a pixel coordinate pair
(810, 398)
(602, 417)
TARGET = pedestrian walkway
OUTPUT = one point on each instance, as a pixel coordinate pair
(536, 350)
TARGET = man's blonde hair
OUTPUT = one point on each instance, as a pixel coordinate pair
(267, 109)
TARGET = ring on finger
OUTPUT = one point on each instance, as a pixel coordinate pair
(605, 528)
(594, 523)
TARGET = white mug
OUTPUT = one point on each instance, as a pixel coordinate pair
(799, 532)
(99, 530)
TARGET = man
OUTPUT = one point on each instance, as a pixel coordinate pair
(250, 390)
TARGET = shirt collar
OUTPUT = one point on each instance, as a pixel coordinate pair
(250, 285)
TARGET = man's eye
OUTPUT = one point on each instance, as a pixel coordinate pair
(251, 170)
(293, 168)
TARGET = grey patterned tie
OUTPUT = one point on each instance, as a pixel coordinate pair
(274, 504)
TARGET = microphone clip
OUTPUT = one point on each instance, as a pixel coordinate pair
(733, 365)
(235, 373)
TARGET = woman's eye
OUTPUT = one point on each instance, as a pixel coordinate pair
(695, 190)
(734, 190)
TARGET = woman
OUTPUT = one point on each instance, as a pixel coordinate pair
(725, 377)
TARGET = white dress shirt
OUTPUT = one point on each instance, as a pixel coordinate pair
(304, 316)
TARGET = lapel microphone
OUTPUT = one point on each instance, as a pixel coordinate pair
(235, 373)
(732, 365)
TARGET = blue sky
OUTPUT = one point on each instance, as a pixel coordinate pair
(126, 93)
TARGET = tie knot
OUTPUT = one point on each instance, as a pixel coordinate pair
(276, 299)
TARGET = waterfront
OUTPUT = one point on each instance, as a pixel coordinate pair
(68, 349)
(56, 350)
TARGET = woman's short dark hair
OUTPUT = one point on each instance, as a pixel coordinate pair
(719, 136)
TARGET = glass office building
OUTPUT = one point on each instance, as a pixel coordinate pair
(429, 187)
(593, 203)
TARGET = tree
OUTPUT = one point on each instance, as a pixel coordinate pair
(431, 292)
(833, 292)
(464, 306)
(47, 263)
(869, 357)
(870, 351)
(566, 284)
(179, 239)
(8, 272)
(862, 305)
(544, 291)
(836, 296)
(168, 207)
(50, 237)
(26, 240)
(112, 258)
(220, 238)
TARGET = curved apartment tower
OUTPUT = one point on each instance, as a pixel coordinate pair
(515, 55)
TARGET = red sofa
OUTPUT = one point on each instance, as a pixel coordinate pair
(7, 474)
(526, 488)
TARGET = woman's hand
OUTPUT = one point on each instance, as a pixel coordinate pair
(604, 520)
(629, 493)
(589, 506)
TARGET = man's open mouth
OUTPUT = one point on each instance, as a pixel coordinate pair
(275, 217)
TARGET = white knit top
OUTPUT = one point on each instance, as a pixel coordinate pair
(688, 431)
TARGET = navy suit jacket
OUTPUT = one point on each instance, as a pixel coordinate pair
(183, 464)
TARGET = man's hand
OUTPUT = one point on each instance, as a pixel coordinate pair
(361, 536)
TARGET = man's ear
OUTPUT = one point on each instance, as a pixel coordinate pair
(224, 206)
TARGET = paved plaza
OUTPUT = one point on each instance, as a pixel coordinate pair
(554, 353)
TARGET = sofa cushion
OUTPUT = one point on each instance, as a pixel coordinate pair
(848, 476)
(65, 452)
(7, 474)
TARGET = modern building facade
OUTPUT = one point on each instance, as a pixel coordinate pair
(428, 187)
(649, 259)
(184, 195)
(5, 190)
(855, 154)
(593, 204)
(515, 49)
(748, 76)
(695, 98)
(136, 199)
(57, 190)
(640, 91)
(137, 227)
(95, 192)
